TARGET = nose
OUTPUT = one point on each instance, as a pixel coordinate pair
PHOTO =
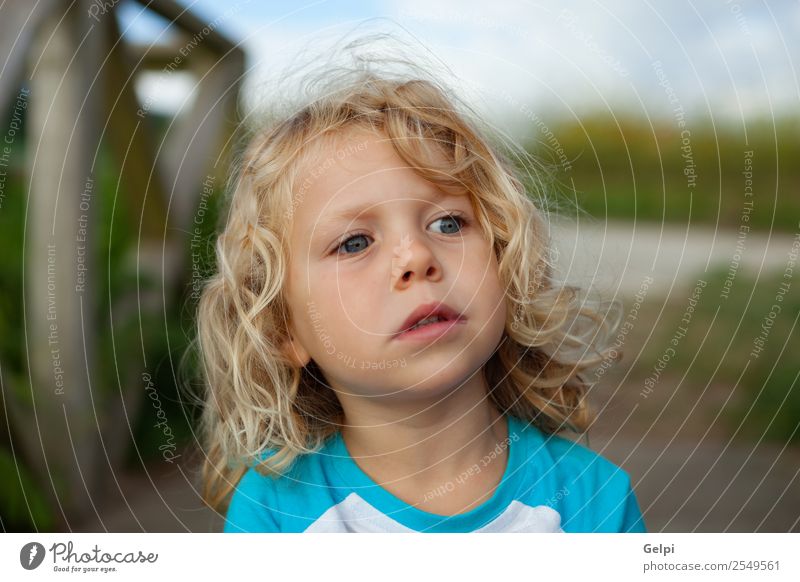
(412, 262)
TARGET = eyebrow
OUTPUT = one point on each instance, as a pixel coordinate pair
(354, 211)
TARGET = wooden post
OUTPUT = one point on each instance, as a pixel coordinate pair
(63, 138)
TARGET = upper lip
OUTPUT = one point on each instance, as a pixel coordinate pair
(429, 310)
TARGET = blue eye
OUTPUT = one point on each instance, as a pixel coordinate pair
(355, 247)
(455, 221)
(356, 242)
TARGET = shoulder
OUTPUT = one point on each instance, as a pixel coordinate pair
(577, 460)
(592, 493)
(280, 503)
(567, 457)
(570, 457)
(253, 504)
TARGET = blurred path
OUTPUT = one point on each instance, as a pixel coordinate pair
(688, 474)
(165, 498)
(618, 255)
(710, 488)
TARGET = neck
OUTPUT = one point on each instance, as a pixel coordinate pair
(423, 443)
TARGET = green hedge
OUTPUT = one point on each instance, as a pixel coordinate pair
(624, 168)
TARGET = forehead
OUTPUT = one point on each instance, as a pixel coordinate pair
(355, 173)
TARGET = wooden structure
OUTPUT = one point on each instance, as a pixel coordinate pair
(74, 70)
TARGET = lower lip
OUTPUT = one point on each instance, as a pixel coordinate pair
(432, 330)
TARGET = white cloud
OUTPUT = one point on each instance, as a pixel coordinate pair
(561, 57)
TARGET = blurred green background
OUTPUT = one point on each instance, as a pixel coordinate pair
(24, 505)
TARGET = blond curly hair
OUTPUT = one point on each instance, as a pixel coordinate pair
(256, 398)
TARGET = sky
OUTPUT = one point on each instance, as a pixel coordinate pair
(518, 62)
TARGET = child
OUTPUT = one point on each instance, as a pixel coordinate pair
(384, 345)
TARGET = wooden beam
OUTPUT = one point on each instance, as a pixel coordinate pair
(19, 21)
(132, 142)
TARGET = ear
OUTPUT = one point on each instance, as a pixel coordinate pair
(296, 352)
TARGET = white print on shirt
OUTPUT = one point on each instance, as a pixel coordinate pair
(354, 515)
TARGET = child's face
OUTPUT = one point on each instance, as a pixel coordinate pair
(402, 251)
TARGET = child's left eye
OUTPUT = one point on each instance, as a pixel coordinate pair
(453, 225)
(453, 218)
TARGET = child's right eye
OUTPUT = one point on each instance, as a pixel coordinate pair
(355, 247)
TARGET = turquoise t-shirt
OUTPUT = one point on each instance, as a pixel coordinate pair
(550, 484)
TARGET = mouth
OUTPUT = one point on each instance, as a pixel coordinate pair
(429, 317)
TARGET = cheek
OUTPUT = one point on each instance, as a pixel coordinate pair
(481, 264)
(496, 299)
(346, 298)
(307, 305)
(490, 287)
(350, 282)
(297, 296)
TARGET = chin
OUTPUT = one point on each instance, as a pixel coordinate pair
(433, 380)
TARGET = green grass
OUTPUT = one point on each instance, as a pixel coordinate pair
(764, 389)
